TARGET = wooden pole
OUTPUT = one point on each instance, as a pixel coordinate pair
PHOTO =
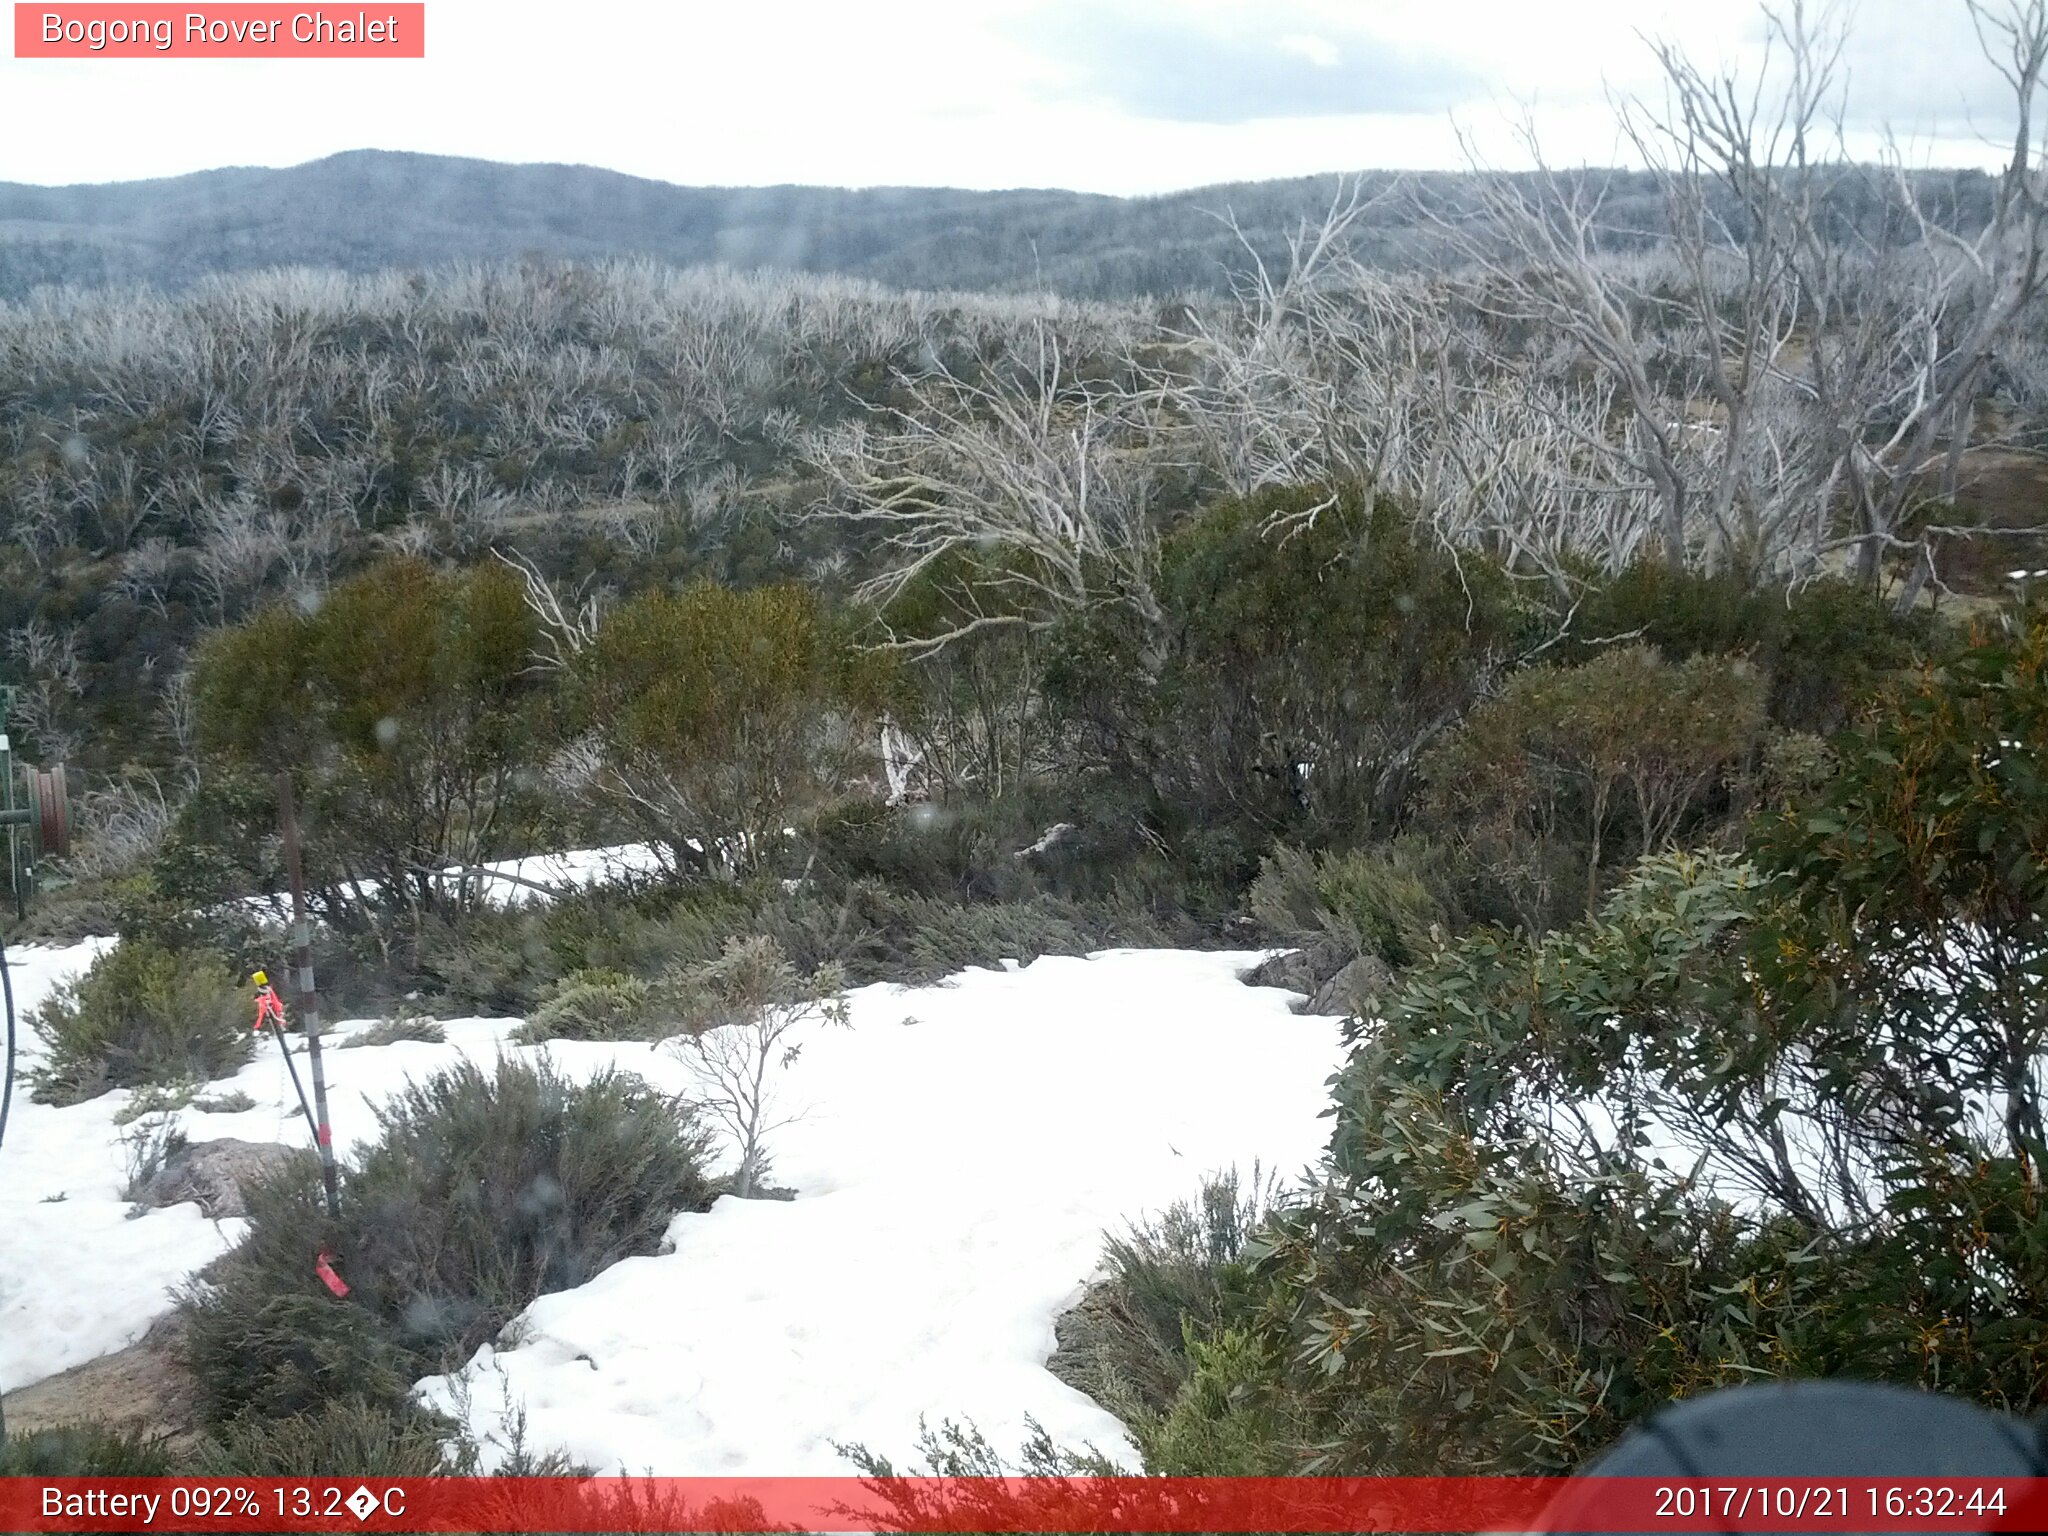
(309, 999)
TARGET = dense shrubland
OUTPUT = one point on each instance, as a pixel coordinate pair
(1843, 1016)
(1585, 704)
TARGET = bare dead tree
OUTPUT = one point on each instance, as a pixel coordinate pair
(239, 548)
(567, 624)
(1836, 366)
(146, 573)
(1950, 303)
(1025, 494)
(1306, 377)
(53, 677)
(120, 826)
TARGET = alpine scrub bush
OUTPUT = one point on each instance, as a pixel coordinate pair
(142, 1015)
(263, 1337)
(405, 1028)
(1824, 646)
(944, 938)
(1624, 755)
(85, 1449)
(1312, 642)
(484, 1191)
(1171, 1278)
(414, 743)
(722, 718)
(1380, 904)
(598, 1004)
(339, 1439)
(487, 1191)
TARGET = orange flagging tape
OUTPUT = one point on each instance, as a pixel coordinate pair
(324, 1268)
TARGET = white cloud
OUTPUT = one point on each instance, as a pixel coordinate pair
(999, 93)
(1319, 51)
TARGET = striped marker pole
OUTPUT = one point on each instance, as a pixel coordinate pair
(309, 999)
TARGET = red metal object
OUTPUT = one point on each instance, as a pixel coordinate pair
(52, 812)
(268, 1006)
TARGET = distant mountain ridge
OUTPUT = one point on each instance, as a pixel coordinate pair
(372, 209)
(367, 210)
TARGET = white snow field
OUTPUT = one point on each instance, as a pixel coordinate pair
(960, 1151)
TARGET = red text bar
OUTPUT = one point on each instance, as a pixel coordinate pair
(1114, 1504)
(232, 31)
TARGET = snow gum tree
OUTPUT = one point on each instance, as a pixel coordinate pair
(404, 706)
(722, 718)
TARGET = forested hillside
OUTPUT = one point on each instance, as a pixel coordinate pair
(371, 210)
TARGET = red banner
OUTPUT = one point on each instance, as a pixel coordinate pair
(1118, 1504)
(226, 31)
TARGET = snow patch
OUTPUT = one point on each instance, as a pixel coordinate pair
(954, 1182)
(954, 1185)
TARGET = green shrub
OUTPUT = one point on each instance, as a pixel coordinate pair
(406, 1027)
(1225, 1421)
(877, 934)
(233, 1102)
(156, 1099)
(591, 966)
(493, 961)
(69, 913)
(264, 1338)
(965, 849)
(84, 1450)
(483, 1192)
(415, 737)
(140, 1015)
(338, 1439)
(1312, 641)
(723, 717)
(1619, 757)
(1381, 901)
(1838, 1030)
(1796, 768)
(509, 961)
(598, 1005)
(1172, 1279)
(943, 939)
(1823, 647)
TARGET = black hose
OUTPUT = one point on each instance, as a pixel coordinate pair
(6, 1087)
(7, 1079)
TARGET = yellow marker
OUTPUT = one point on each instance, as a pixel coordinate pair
(259, 979)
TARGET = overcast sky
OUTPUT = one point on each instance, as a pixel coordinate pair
(1123, 96)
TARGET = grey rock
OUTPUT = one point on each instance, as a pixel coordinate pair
(1328, 983)
(214, 1173)
(1291, 970)
(1355, 991)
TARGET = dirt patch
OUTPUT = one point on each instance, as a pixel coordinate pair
(2000, 489)
(143, 1385)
